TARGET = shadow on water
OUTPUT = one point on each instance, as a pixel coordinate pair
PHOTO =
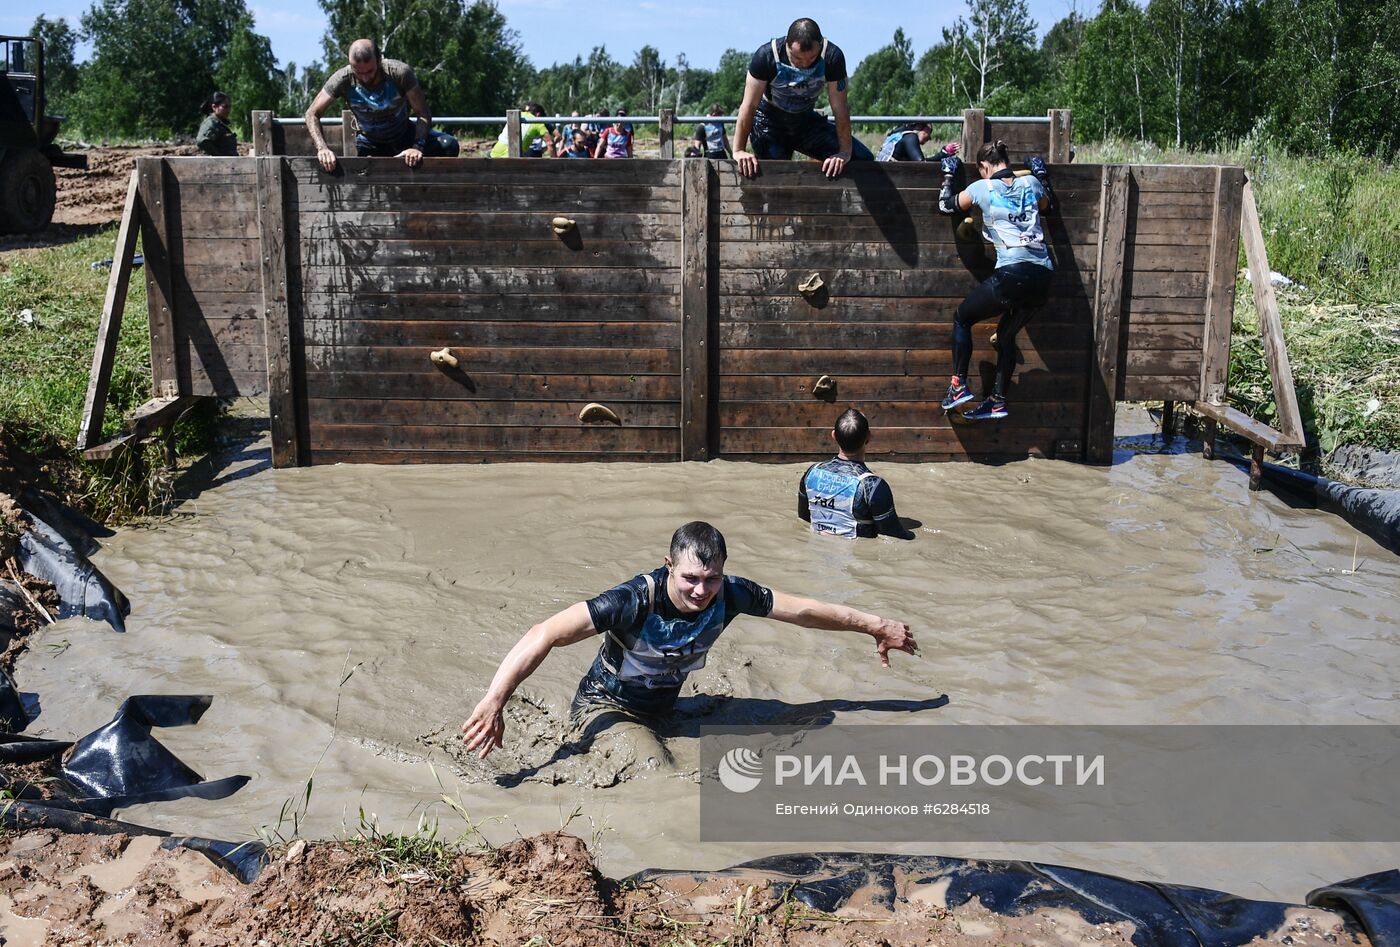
(709, 715)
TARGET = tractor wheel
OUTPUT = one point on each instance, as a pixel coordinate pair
(27, 192)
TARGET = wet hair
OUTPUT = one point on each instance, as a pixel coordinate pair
(852, 430)
(701, 540)
(993, 152)
(534, 108)
(804, 33)
(215, 99)
(716, 109)
(364, 50)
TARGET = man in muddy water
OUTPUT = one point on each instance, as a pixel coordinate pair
(841, 496)
(657, 628)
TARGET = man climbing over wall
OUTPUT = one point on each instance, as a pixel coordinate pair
(379, 92)
(841, 497)
(657, 628)
(779, 112)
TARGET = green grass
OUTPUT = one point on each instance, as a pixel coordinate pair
(47, 360)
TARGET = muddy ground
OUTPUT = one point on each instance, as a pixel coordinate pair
(546, 889)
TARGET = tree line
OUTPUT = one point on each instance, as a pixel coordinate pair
(1313, 75)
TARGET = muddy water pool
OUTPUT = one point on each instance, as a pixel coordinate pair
(1158, 590)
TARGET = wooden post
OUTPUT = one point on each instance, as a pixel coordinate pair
(1220, 290)
(262, 133)
(281, 396)
(1270, 322)
(1108, 308)
(513, 133)
(156, 245)
(666, 134)
(1168, 419)
(1212, 428)
(1256, 467)
(105, 353)
(347, 134)
(695, 310)
(973, 134)
(1060, 123)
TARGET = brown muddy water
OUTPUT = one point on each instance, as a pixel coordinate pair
(1155, 591)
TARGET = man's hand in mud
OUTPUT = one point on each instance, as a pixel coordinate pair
(411, 157)
(893, 636)
(327, 158)
(748, 163)
(486, 728)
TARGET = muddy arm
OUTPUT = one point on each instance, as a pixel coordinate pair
(889, 635)
(485, 728)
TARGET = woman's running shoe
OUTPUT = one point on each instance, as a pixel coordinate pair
(993, 408)
(957, 396)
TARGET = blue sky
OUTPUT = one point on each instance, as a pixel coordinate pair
(554, 30)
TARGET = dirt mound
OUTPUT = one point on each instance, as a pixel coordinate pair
(82, 889)
(97, 195)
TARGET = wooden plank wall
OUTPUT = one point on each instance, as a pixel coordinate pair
(396, 263)
(200, 237)
(1172, 213)
(895, 270)
(384, 265)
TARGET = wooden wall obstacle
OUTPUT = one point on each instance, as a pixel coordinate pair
(667, 291)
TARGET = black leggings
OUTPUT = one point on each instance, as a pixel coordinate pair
(1011, 292)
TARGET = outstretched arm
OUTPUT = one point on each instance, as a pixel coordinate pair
(486, 727)
(889, 635)
(841, 111)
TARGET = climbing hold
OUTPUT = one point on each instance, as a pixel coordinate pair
(444, 357)
(563, 225)
(810, 285)
(593, 412)
(824, 386)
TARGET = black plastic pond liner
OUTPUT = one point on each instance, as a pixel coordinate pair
(1373, 899)
(121, 764)
(1163, 915)
(56, 549)
(1375, 512)
(243, 860)
(13, 715)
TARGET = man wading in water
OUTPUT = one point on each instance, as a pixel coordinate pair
(657, 629)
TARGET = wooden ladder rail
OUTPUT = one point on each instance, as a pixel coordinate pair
(1212, 407)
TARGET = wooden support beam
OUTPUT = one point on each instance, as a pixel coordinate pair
(973, 134)
(1270, 322)
(1168, 419)
(696, 189)
(281, 396)
(262, 133)
(347, 134)
(1256, 432)
(1108, 309)
(1208, 439)
(667, 133)
(157, 244)
(1060, 143)
(110, 327)
(513, 133)
(1256, 467)
(1220, 290)
(144, 421)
